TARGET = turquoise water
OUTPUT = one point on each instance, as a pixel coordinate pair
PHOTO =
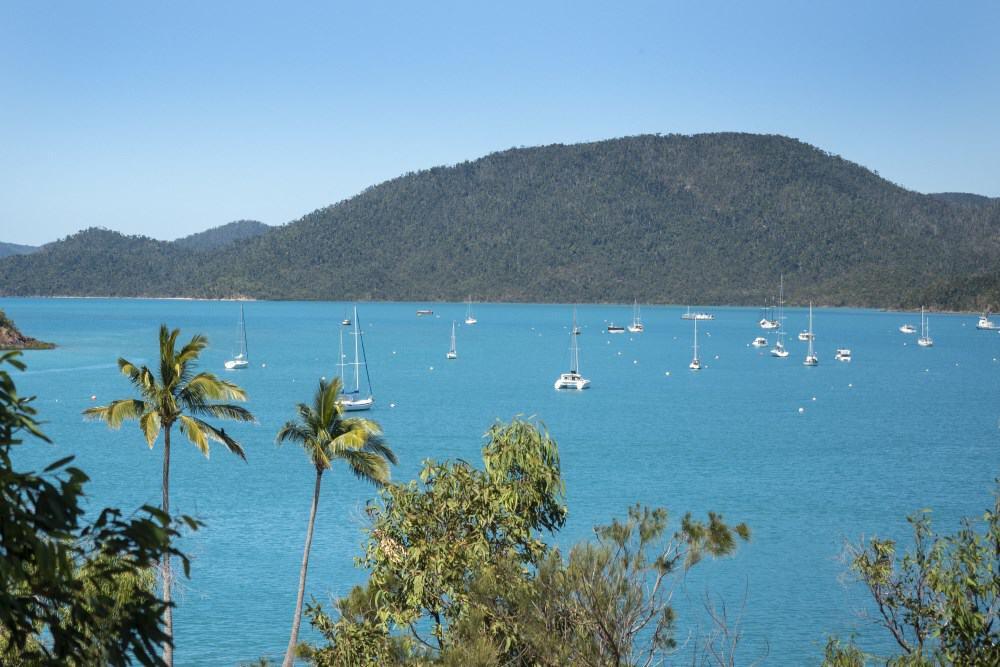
(898, 429)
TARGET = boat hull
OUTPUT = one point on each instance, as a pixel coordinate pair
(571, 381)
(236, 364)
(356, 404)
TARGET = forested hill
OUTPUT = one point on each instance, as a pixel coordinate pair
(218, 237)
(711, 218)
(7, 249)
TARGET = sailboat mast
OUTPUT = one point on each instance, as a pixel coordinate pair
(696, 339)
(357, 358)
(810, 329)
(340, 359)
(574, 348)
(243, 331)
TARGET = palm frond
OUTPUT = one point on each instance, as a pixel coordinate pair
(209, 386)
(189, 353)
(150, 425)
(116, 412)
(368, 466)
(220, 435)
(195, 433)
(376, 445)
(223, 411)
(293, 432)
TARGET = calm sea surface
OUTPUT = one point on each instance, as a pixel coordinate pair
(808, 457)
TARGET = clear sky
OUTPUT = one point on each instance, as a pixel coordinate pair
(171, 117)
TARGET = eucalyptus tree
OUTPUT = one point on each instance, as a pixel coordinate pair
(327, 436)
(179, 395)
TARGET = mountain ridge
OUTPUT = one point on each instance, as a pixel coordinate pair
(709, 218)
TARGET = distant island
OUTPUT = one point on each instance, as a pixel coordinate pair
(12, 339)
(702, 219)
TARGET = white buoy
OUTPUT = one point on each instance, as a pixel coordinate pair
(716, 357)
(667, 373)
(392, 405)
(93, 397)
(801, 410)
(322, 377)
(263, 365)
(814, 398)
(635, 361)
(850, 385)
(432, 368)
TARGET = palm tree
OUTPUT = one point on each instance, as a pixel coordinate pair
(327, 436)
(178, 396)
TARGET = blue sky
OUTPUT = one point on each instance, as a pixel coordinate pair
(168, 118)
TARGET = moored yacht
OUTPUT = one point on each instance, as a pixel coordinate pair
(908, 329)
(843, 354)
(986, 324)
(925, 339)
(572, 378)
(811, 358)
(759, 341)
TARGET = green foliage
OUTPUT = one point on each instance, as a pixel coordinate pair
(71, 592)
(460, 574)
(597, 222)
(219, 237)
(327, 436)
(941, 600)
(12, 339)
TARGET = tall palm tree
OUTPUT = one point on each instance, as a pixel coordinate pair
(179, 396)
(327, 436)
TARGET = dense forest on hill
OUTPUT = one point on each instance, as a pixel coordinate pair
(218, 237)
(8, 249)
(711, 218)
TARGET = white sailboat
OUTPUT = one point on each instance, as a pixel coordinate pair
(695, 364)
(241, 360)
(811, 358)
(353, 400)
(700, 315)
(573, 379)
(766, 322)
(636, 326)
(452, 352)
(759, 341)
(779, 347)
(925, 339)
(907, 329)
(469, 317)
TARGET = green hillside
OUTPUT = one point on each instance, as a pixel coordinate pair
(8, 249)
(709, 218)
(219, 237)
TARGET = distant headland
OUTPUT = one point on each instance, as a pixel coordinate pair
(12, 339)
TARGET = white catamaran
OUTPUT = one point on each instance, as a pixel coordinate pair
(573, 379)
(352, 400)
(452, 352)
(241, 360)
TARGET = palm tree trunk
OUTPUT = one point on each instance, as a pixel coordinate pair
(168, 614)
(297, 619)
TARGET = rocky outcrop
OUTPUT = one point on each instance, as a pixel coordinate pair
(12, 339)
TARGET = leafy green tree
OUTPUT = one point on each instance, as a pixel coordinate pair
(176, 395)
(460, 574)
(72, 592)
(429, 539)
(327, 437)
(941, 600)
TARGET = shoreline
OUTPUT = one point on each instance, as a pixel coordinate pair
(435, 301)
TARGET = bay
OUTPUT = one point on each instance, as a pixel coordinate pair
(808, 457)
